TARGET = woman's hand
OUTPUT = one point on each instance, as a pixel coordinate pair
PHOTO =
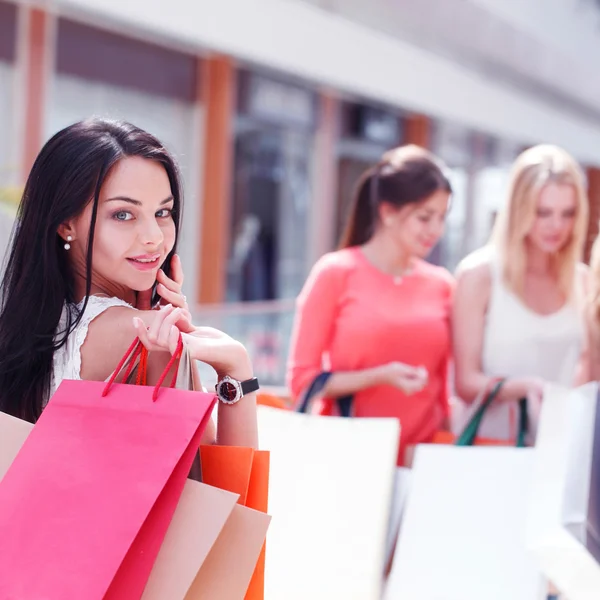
(405, 377)
(163, 333)
(170, 291)
(211, 346)
(531, 388)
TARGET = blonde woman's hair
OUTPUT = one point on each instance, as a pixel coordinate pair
(532, 171)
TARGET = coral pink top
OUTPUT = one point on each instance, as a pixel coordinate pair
(352, 316)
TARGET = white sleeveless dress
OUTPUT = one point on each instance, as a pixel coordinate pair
(519, 342)
(67, 359)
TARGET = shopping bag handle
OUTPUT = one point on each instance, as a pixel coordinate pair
(136, 350)
(316, 387)
(467, 437)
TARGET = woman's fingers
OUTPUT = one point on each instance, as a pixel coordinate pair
(166, 329)
(163, 333)
(177, 270)
(142, 333)
(168, 282)
(157, 322)
(170, 296)
(170, 289)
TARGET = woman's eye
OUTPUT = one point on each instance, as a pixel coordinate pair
(165, 212)
(123, 215)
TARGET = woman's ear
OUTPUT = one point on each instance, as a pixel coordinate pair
(387, 212)
(66, 231)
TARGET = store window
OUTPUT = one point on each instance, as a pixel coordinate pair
(274, 140)
(491, 184)
(479, 167)
(366, 133)
(99, 73)
(455, 145)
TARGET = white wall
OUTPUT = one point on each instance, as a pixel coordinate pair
(296, 37)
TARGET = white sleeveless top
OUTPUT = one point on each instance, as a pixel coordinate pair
(67, 359)
(519, 342)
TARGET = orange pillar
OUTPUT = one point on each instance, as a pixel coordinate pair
(36, 67)
(418, 130)
(218, 83)
(593, 176)
(323, 211)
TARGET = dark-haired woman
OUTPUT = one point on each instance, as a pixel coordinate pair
(376, 315)
(92, 263)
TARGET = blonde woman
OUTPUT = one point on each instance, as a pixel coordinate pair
(518, 305)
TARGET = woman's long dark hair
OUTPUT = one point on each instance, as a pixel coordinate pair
(405, 175)
(67, 175)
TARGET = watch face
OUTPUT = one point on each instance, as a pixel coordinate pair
(228, 391)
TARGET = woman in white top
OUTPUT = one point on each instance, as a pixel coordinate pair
(92, 263)
(518, 301)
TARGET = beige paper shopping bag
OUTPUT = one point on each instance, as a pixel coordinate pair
(13, 433)
(226, 572)
(200, 518)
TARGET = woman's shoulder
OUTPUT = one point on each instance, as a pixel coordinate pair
(477, 266)
(339, 260)
(436, 272)
(89, 310)
(67, 360)
(96, 305)
(337, 264)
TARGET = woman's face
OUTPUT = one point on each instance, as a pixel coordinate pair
(135, 230)
(417, 228)
(556, 211)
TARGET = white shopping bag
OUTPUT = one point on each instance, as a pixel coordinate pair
(330, 493)
(463, 534)
(399, 497)
(564, 515)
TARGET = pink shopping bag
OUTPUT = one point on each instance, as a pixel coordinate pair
(86, 503)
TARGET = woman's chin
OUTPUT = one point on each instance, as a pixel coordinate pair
(141, 283)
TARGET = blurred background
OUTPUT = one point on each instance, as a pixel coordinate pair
(275, 107)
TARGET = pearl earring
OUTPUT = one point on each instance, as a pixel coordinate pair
(68, 245)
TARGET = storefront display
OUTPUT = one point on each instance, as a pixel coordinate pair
(274, 138)
(365, 134)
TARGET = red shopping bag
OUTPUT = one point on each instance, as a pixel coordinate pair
(85, 505)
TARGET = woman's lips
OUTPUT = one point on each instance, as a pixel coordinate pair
(145, 262)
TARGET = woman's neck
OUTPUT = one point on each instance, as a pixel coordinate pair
(102, 287)
(538, 261)
(386, 256)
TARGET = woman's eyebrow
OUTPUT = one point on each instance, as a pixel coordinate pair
(135, 202)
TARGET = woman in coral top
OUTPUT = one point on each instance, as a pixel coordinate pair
(374, 314)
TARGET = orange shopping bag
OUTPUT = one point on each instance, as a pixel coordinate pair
(243, 471)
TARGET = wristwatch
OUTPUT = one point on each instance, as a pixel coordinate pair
(230, 391)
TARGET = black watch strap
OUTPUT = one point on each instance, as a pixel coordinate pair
(249, 386)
